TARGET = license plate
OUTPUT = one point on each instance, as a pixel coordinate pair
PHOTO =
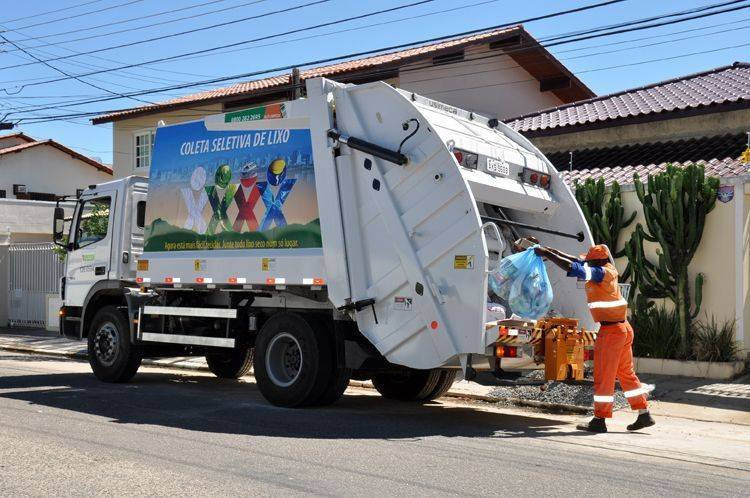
(498, 166)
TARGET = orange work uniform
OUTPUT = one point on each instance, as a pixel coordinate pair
(613, 353)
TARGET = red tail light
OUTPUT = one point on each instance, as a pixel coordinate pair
(506, 351)
(466, 159)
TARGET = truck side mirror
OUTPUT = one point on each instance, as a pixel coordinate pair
(59, 224)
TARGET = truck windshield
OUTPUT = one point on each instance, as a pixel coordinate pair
(93, 221)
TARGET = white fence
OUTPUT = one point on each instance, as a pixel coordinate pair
(34, 272)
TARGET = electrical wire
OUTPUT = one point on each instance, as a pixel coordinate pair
(77, 16)
(137, 18)
(618, 66)
(194, 30)
(80, 80)
(320, 61)
(8, 21)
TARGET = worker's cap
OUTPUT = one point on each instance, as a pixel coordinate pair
(597, 252)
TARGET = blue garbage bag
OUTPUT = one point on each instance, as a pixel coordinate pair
(522, 281)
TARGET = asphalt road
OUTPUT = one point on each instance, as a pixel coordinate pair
(170, 433)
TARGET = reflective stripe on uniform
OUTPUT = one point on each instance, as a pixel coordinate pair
(604, 399)
(608, 304)
(645, 388)
(587, 271)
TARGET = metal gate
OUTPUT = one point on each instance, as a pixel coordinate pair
(34, 272)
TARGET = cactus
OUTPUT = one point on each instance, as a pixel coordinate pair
(606, 220)
(675, 208)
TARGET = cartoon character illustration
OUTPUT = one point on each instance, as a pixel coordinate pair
(195, 207)
(220, 196)
(275, 176)
(246, 198)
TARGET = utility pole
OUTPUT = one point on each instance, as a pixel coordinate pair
(296, 86)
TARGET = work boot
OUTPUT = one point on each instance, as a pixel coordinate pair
(596, 424)
(644, 420)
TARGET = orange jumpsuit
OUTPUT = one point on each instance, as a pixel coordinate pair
(613, 353)
(613, 350)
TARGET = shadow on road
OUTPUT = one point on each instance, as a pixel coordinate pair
(206, 404)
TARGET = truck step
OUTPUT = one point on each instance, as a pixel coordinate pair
(193, 340)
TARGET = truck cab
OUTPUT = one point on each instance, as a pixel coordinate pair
(103, 243)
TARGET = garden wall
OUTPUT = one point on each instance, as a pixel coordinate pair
(727, 278)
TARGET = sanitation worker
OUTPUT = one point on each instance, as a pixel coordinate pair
(613, 354)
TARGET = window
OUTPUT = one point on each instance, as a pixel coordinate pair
(93, 221)
(144, 144)
(2, 194)
(140, 217)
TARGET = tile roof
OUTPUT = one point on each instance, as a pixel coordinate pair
(61, 147)
(722, 85)
(386, 60)
(18, 134)
(719, 155)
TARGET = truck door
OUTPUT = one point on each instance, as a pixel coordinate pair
(91, 238)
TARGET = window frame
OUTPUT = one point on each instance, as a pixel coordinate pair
(79, 218)
(151, 133)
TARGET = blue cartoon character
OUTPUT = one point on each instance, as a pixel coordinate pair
(276, 176)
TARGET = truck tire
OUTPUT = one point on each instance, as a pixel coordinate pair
(231, 364)
(444, 383)
(293, 364)
(111, 355)
(408, 385)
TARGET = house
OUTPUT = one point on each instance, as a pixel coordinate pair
(33, 173)
(698, 118)
(44, 169)
(498, 73)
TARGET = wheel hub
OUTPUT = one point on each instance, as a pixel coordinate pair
(283, 359)
(106, 344)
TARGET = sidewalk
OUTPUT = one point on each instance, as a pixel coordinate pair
(690, 398)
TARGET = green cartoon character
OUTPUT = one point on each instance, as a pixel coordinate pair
(220, 196)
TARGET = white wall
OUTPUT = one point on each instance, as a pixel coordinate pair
(46, 169)
(493, 87)
(26, 221)
(123, 135)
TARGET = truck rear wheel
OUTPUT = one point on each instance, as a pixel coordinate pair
(293, 364)
(231, 364)
(412, 384)
(111, 355)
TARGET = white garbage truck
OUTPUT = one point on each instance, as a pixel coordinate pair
(345, 234)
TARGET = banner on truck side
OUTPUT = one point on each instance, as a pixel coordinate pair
(232, 189)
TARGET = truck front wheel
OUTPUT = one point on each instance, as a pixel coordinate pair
(414, 385)
(231, 364)
(111, 355)
(293, 364)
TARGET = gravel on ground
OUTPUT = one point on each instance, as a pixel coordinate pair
(555, 392)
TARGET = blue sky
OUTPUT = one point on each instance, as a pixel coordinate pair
(25, 25)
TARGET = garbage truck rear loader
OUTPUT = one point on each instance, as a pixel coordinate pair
(345, 234)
